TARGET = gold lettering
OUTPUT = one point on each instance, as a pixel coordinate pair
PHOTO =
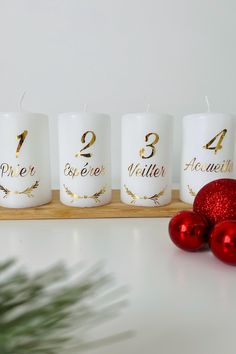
(72, 171)
(151, 170)
(16, 171)
(196, 166)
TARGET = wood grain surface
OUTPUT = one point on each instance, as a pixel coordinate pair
(56, 210)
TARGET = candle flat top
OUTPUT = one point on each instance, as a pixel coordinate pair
(22, 114)
(82, 115)
(208, 115)
(147, 115)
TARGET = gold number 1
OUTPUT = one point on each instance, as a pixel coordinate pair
(218, 146)
(21, 137)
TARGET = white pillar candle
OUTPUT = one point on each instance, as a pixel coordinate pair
(146, 159)
(24, 160)
(84, 159)
(207, 151)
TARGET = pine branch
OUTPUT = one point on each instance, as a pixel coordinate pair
(40, 314)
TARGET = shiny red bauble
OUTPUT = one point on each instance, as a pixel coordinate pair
(223, 241)
(217, 200)
(189, 230)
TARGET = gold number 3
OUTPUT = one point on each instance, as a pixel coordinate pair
(150, 145)
(218, 146)
(21, 137)
(91, 142)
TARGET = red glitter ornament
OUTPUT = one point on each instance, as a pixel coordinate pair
(217, 200)
(188, 230)
(223, 241)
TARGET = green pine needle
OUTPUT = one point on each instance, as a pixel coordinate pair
(49, 312)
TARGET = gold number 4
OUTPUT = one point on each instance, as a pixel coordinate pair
(150, 145)
(21, 137)
(90, 143)
(218, 146)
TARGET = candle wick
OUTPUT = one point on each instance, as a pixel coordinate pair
(208, 104)
(85, 107)
(148, 107)
(21, 100)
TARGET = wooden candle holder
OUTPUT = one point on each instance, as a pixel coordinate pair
(116, 209)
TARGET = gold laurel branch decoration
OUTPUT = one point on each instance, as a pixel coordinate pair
(134, 197)
(75, 196)
(28, 191)
(154, 198)
(191, 192)
(96, 196)
(71, 194)
(5, 191)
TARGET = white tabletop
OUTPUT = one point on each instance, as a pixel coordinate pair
(179, 302)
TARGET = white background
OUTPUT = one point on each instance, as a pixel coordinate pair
(117, 56)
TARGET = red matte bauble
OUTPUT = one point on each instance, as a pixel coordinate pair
(189, 230)
(223, 241)
(217, 200)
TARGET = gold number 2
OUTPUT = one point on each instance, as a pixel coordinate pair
(21, 137)
(91, 142)
(150, 145)
(218, 146)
